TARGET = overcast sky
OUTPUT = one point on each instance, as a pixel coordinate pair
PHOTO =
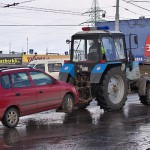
(47, 12)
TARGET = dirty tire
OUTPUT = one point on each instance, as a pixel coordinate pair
(111, 92)
(145, 100)
(68, 103)
(11, 118)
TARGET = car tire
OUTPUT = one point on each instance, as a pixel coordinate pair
(68, 103)
(11, 118)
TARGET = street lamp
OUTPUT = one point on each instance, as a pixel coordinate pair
(117, 16)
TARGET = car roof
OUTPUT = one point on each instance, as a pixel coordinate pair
(47, 61)
(15, 69)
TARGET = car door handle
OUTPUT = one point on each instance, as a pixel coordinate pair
(18, 94)
(40, 92)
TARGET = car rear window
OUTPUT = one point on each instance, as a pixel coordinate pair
(5, 81)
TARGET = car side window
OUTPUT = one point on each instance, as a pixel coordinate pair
(54, 67)
(5, 81)
(40, 78)
(20, 80)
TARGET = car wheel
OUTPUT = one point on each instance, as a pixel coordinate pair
(11, 118)
(68, 103)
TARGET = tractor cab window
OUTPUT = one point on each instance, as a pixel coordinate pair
(79, 50)
(119, 44)
(93, 49)
(86, 49)
(110, 49)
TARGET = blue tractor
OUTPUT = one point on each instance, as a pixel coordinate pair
(102, 68)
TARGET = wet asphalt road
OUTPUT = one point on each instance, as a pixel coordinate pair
(89, 129)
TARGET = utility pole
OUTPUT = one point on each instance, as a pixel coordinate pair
(96, 14)
(9, 47)
(117, 16)
(27, 45)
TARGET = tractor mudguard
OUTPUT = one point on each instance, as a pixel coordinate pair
(97, 73)
(66, 70)
(142, 86)
(99, 69)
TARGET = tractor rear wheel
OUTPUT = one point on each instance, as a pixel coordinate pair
(111, 92)
(146, 99)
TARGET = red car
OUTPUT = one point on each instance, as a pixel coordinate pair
(25, 91)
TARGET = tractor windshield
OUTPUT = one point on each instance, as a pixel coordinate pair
(114, 48)
(94, 49)
(110, 49)
(86, 49)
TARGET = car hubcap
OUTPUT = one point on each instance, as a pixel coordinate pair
(69, 103)
(116, 89)
(12, 117)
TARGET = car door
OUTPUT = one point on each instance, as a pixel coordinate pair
(25, 92)
(48, 92)
(6, 97)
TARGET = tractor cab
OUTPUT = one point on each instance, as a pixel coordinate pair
(96, 45)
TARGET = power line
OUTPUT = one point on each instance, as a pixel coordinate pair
(136, 5)
(27, 1)
(140, 1)
(48, 10)
(130, 10)
(96, 13)
(15, 5)
(37, 25)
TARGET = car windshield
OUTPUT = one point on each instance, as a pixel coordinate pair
(31, 65)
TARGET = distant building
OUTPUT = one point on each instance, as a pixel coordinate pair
(10, 59)
(28, 58)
